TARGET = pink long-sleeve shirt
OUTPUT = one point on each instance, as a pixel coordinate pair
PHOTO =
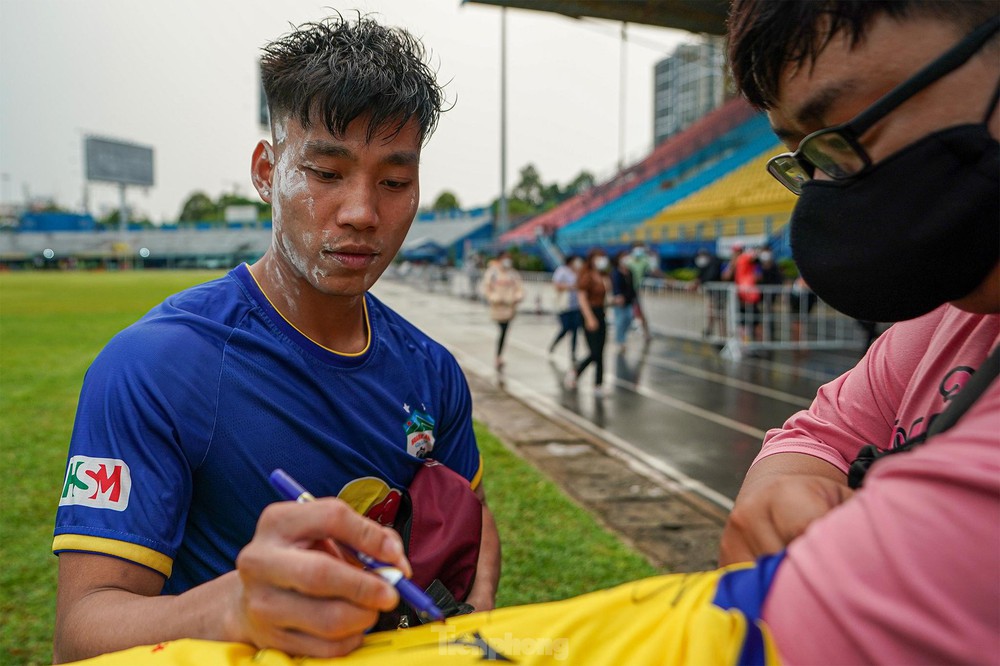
(907, 570)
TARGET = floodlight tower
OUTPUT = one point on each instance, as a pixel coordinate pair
(502, 221)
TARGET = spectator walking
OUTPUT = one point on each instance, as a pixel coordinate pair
(622, 298)
(745, 276)
(472, 268)
(567, 303)
(710, 270)
(800, 304)
(503, 290)
(729, 267)
(642, 263)
(592, 290)
(769, 276)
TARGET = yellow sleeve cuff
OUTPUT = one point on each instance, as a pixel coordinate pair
(479, 475)
(147, 557)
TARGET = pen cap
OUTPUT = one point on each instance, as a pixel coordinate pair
(288, 487)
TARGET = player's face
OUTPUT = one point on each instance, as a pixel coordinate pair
(846, 80)
(341, 206)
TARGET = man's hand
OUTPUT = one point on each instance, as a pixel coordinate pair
(776, 510)
(298, 597)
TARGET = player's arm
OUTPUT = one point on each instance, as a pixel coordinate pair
(283, 594)
(483, 594)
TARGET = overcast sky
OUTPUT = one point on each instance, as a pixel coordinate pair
(181, 76)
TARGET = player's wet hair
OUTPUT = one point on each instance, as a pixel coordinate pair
(765, 36)
(337, 69)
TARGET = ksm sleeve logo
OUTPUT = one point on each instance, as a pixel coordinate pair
(103, 483)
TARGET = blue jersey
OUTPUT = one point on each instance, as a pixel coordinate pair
(184, 414)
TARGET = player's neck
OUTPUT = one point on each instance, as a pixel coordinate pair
(336, 322)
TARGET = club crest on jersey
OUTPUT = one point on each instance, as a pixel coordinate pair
(419, 434)
(102, 483)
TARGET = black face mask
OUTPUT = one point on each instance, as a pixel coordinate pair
(914, 232)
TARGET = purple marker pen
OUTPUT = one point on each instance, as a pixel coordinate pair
(290, 489)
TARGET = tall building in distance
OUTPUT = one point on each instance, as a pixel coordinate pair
(687, 85)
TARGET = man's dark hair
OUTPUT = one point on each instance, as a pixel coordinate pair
(766, 35)
(337, 69)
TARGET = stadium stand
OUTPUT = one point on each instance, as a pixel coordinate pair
(620, 218)
(748, 201)
(442, 238)
(54, 238)
(668, 154)
(165, 247)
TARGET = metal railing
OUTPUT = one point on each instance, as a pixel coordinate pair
(768, 317)
(777, 317)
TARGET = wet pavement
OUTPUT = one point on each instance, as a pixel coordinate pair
(675, 411)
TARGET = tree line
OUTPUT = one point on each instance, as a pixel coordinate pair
(529, 197)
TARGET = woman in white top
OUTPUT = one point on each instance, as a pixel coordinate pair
(502, 289)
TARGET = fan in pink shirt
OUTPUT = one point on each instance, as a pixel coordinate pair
(891, 113)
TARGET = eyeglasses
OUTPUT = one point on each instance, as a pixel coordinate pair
(837, 152)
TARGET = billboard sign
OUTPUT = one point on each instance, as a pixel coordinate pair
(118, 162)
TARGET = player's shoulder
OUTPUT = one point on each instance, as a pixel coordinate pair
(223, 300)
(198, 319)
(402, 335)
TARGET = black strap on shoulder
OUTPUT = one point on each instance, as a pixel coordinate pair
(965, 398)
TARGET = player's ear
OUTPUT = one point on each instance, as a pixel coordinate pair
(262, 169)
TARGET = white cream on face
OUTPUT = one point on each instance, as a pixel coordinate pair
(290, 184)
(280, 128)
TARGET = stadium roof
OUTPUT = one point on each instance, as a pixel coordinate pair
(703, 16)
(441, 234)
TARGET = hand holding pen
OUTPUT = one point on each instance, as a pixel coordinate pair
(302, 600)
(411, 594)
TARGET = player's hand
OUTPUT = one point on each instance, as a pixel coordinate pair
(590, 323)
(776, 511)
(295, 597)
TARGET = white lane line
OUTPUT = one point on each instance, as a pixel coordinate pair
(700, 412)
(740, 384)
(547, 407)
(687, 407)
(717, 378)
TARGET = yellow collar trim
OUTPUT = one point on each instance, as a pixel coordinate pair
(368, 327)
